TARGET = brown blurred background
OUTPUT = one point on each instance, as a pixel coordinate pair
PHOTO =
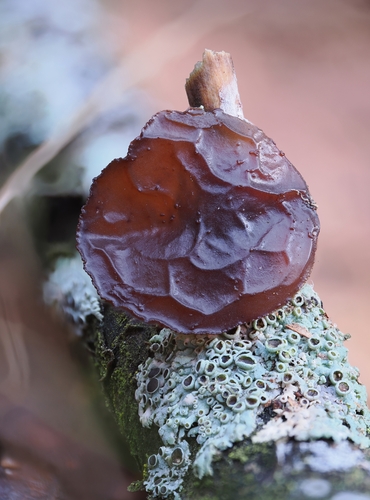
(303, 69)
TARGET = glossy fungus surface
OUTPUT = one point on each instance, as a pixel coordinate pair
(204, 225)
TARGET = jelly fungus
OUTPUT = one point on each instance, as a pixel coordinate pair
(194, 230)
(205, 224)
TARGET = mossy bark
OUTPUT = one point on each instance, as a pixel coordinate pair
(251, 471)
(247, 470)
(119, 346)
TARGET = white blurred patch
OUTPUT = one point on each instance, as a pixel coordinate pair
(101, 152)
(50, 59)
(70, 288)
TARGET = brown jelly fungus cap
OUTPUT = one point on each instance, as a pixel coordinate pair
(204, 225)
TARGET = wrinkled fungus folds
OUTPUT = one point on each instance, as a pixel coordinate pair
(204, 224)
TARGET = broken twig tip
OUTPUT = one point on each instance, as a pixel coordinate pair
(212, 84)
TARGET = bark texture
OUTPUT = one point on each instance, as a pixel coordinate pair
(280, 471)
(212, 84)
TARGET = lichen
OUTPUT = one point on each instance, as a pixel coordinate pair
(282, 376)
(322, 457)
(170, 465)
(71, 289)
(315, 488)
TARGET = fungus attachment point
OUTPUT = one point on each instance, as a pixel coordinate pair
(193, 232)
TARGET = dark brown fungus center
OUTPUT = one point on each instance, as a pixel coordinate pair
(204, 224)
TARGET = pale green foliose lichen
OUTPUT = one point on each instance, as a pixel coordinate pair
(282, 376)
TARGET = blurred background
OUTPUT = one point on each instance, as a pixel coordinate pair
(78, 80)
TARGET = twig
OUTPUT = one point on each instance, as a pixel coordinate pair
(301, 330)
(212, 84)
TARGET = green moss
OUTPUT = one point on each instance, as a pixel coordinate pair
(251, 471)
(136, 486)
(103, 356)
(245, 452)
(357, 479)
(145, 471)
(120, 344)
(247, 473)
